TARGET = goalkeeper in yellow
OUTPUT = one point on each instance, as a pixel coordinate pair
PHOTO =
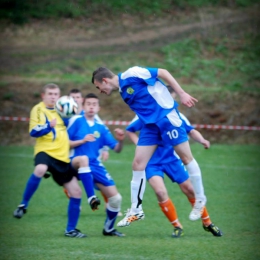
(51, 153)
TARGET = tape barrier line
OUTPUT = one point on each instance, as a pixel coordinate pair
(125, 123)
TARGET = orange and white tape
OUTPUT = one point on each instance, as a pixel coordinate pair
(125, 123)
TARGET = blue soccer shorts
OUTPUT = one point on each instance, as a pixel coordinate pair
(101, 175)
(174, 170)
(170, 129)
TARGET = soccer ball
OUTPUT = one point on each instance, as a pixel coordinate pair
(66, 106)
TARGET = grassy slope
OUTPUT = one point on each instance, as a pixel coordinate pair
(231, 180)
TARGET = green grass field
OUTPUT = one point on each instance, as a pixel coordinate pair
(231, 180)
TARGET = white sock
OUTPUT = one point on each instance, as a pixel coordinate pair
(138, 185)
(196, 179)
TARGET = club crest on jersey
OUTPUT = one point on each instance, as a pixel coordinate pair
(96, 134)
(130, 90)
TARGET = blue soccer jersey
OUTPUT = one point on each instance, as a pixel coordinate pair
(146, 94)
(79, 127)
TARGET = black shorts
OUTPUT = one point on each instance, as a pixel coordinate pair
(62, 172)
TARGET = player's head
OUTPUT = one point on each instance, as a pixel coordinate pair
(77, 95)
(102, 78)
(91, 105)
(171, 90)
(50, 94)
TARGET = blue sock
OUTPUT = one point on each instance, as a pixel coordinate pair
(111, 218)
(87, 181)
(73, 213)
(31, 186)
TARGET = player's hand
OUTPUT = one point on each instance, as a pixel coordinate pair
(104, 156)
(89, 138)
(187, 100)
(206, 144)
(53, 122)
(120, 134)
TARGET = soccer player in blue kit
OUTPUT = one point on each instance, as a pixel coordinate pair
(145, 93)
(87, 137)
(164, 160)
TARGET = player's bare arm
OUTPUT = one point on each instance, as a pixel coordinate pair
(120, 136)
(87, 138)
(197, 136)
(185, 98)
(133, 137)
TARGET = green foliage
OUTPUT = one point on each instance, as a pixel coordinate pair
(20, 12)
(231, 181)
(233, 64)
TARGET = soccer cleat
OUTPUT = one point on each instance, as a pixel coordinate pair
(74, 233)
(130, 217)
(214, 230)
(94, 203)
(177, 232)
(119, 214)
(114, 233)
(20, 211)
(197, 210)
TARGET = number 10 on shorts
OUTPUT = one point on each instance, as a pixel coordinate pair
(173, 134)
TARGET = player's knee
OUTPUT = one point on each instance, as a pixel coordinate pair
(40, 170)
(138, 165)
(161, 194)
(115, 201)
(76, 192)
(84, 161)
(74, 188)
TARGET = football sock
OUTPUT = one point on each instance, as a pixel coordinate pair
(196, 179)
(86, 178)
(205, 215)
(31, 186)
(138, 185)
(73, 213)
(170, 212)
(111, 218)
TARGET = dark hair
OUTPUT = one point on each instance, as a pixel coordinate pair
(91, 95)
(74, 90)
(101, 73)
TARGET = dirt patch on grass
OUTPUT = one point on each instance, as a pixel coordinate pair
(20, 45)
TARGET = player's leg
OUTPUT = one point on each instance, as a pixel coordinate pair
(112, 208)
(207, 224)
(73, 208)
(138, 182)
(184, 152)
(166, 204)
(106, 184)
(174, 133)
(41, 162)
(84, 174)
(149, 137)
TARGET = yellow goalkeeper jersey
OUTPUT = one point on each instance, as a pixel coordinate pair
(53, 141)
